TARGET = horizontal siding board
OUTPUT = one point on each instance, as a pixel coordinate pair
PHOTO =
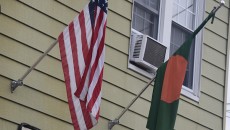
(129, 119)
(32, 17)
(36, 80)
(120, 60)
(183, 123)
(29, 36)
(6, 125)
(116, 40)
(222, 13)
(53, 9)
(123, 98)
(215, 41)
(199, 116)
(219, 27)
(103, 125)
(58, 11)
(17, 113)
(212, 72)
(48, 65)
(126, 82)
(212, 105)
(42, 102)
(121, 7)
(212, 88)
(214, 57)
(14, 70)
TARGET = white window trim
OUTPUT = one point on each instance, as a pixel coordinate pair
(164, 35)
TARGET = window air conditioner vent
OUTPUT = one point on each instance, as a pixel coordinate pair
(146, 52)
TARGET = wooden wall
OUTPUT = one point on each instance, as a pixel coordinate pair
(29, 27)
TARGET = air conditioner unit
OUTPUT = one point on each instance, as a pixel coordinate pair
(146, 52)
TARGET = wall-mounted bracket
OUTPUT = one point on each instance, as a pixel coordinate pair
(14, 84)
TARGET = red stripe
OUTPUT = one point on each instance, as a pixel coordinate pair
(89, 57)
(74, 53)
(67, 81)
(83, 35)
(96, 92)
(86, 115)
(100, 49)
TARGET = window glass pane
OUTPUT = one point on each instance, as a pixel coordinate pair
(178, 36)
(175, 12)
(182, 16)
(190, 20)
(184, 13)
(153, 4)
(190, 5)
(145, 21)
(183, 3)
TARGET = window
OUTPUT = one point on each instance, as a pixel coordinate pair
(171, 22)
(146, 16)
(183, 23)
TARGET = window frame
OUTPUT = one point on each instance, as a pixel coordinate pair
(164, 37)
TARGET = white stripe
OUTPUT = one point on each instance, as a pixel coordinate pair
(96, 76)
(79, 113)
(86, 84)
(73, 86)
(85, 87)
(100, 35)
(81, 61)
(93, 120)
(100, 63)
(96, 106)
(88, 26)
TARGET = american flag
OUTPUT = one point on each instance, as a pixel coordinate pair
(82, 52)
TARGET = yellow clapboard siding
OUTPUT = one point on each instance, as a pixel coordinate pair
(117, 40)
(52, 8)
(40, 102)
(126, 82)
(35, 79)
(129, 119)
(19, 114)
(49, 89)
(42, 42)
(120, 60)
(52, 66)
(103, 125)
(32, 17)
(222, 13)
(210, 104)
(47, 65)
(199, 116)
(213, 73)
(214, 57)
(123, 98)
(29, 36)
(121, 7)
(220, 27)
(215, 41)
(183, 123)
(5, 125)
(58, 11)
(119, 23)
(212, 88)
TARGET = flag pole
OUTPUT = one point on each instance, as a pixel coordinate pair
(15, 83)
(116, 120)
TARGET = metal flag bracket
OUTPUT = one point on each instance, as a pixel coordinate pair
(14, 84)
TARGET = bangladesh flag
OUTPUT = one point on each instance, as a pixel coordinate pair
(168, 84)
